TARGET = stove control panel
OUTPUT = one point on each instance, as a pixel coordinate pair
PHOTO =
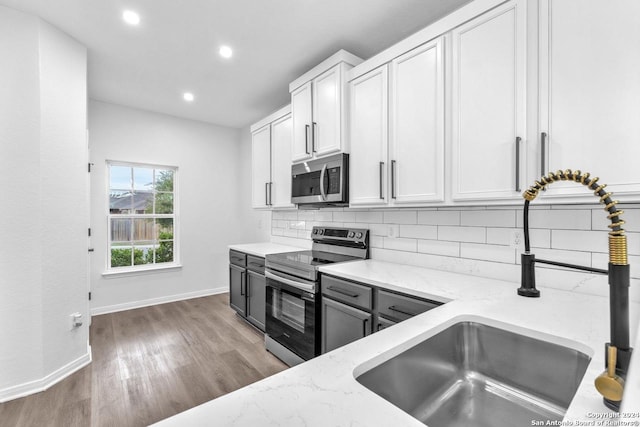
(356, 235)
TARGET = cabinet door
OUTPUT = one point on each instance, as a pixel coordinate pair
(327, 108)
(488, 104)
(590, 92)
(261, 166)
(301, 123)
(416, 128)
(368, 159)
(256, 298)
(237, 287)
(384, 324)
(342, 324)
(281, 163)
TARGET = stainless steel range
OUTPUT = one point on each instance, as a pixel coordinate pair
(293, 299)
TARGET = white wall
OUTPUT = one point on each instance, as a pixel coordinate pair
(214, 205)
(43, 256)
(477, 240)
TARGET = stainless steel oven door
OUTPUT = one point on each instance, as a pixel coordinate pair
(292, 306)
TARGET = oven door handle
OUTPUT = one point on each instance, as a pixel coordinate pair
(298, 285)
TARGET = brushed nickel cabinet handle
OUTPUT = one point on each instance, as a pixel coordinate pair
(393, 179)
(402, 311)
(381, 173)
(342, 291)
(543, 153)
(314, 127)
(306, 139)
(518, 139)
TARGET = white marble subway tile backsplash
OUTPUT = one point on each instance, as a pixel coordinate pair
(478, 240)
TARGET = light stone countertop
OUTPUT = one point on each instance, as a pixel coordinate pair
(264, 248)
(324, 392)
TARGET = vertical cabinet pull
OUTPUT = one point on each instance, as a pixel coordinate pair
(314, 127)
(243, 283)
(381, 174)
(306, 139)
(270, 194)
(518, 140)
(364, 327)
(543, 153)
(266, 193)
(393, 179)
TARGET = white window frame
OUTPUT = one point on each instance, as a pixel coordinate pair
(109, 270)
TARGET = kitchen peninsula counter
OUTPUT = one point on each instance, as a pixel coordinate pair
(324, 392)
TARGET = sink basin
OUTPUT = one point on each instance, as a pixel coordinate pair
(472, 374)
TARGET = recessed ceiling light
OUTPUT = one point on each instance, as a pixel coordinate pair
(225, 51)
(188, 96)
(131, 17)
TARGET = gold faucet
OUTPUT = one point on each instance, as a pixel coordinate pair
(618, 353)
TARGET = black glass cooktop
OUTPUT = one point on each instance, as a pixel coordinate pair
(309, 258)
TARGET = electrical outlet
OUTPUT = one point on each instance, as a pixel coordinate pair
(76, 320)
(393, 230)
(517, 239)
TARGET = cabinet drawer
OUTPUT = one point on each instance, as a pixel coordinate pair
(349, 292)
(401, 307)
(238, 258)
(255, 263)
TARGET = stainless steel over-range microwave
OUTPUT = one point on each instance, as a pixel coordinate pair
(321, 182)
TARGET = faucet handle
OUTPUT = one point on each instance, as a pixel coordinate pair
(608, 383)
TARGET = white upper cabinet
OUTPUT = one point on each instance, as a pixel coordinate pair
(326, 133)
(488, 105)
(281, 163)
(397, 131)
(416, 126)
(301, 121)
(318, 100)
(369, 136)
(589, 93)
(261, 166)
(271, 161)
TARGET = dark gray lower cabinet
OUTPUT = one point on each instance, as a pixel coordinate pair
(342, 324)
(352, 310)
(383, 323)
(237, 286)
(247, 287)
(256, 298)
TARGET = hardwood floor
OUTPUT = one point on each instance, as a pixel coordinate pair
(151, 363)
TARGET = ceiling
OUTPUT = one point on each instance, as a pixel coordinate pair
(174, 49)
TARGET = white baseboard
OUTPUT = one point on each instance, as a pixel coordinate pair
(154, 301)
(42, 384)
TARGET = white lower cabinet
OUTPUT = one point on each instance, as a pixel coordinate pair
(589, 94)
(271, 161)
(397, 131)
(488, 112)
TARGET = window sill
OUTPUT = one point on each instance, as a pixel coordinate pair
(149, 270)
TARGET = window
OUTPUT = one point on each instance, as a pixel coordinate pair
(142, 216)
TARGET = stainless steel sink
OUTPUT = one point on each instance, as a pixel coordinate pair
(472, 374)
